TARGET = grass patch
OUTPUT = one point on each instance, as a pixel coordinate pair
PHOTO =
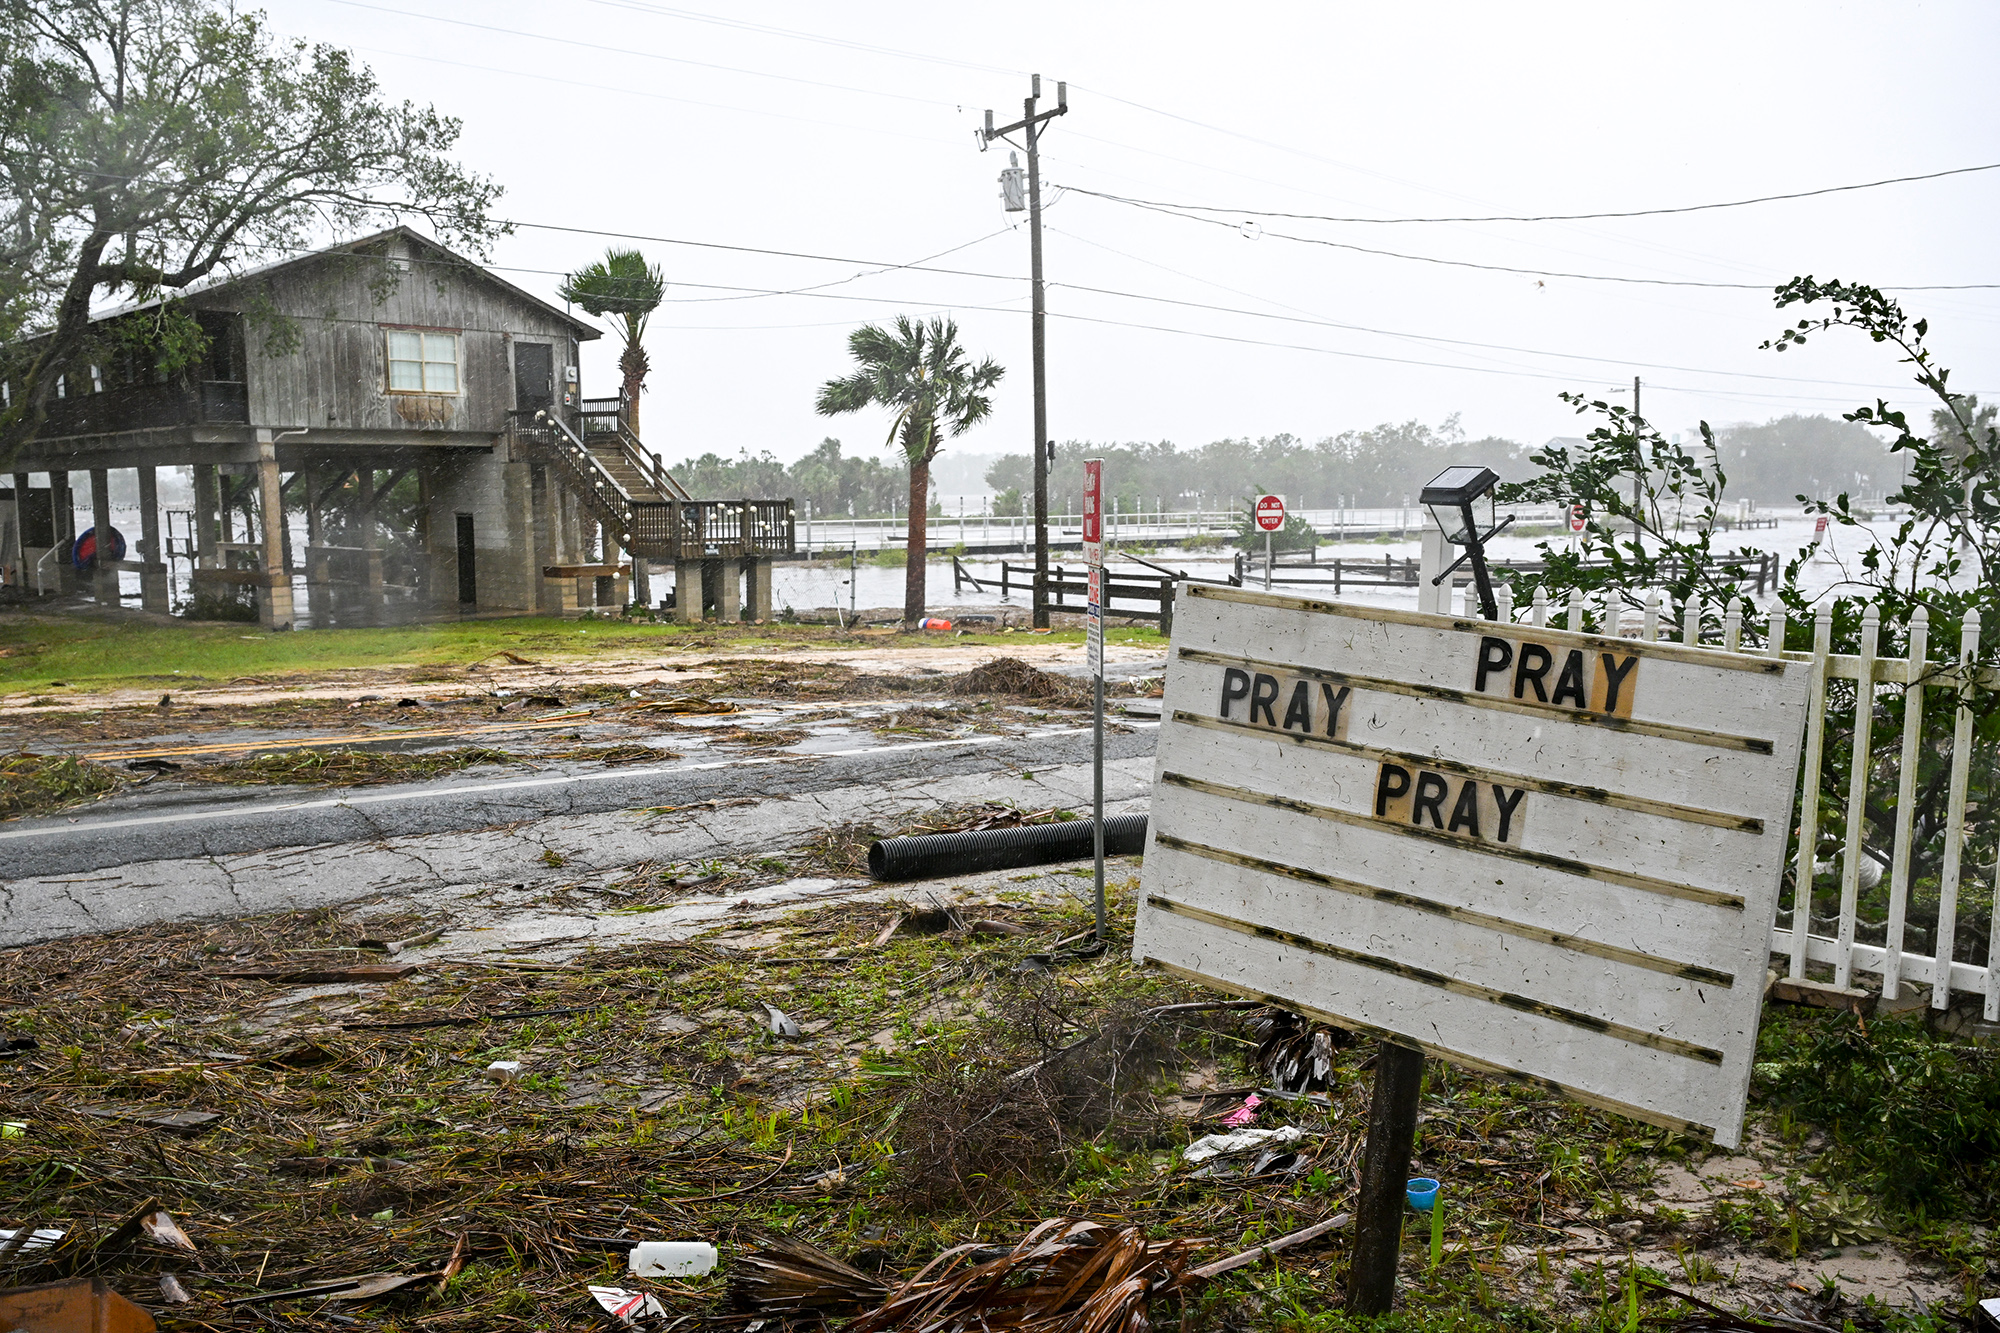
(38, 783)
(40, 653)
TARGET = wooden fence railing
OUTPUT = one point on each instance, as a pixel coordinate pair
(1859, 908)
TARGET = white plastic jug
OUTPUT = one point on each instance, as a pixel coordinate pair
(672, 1258)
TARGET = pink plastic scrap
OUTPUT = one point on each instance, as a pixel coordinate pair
(1245, 1113)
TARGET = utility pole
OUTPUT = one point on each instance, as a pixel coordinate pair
(1638, 472)
(1030, 125)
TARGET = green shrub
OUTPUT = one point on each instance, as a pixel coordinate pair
(1914, 1116)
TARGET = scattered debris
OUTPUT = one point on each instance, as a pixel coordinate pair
(627, 1307)
(319, 975)
(12, 1046)
(1296, 1054)
(397, 946)
(785, 1277)
(671, 1258)
(1010, 675)
(503, 1071)
(23, 1239)
(171, 1290)
(365, 1287)
(782, 1024)
(178, 1122)
(78, 1305)
(1065, 1276)
(161, 1228)
(1245, 1113)
(1242, 1140)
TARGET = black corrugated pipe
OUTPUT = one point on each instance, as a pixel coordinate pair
(1002, 848)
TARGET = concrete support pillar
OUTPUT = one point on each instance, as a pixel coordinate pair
(757, 573)
(207, 501)
(153, 592)
(104, 579)
(687, 590)
(729, 599)
(63, 499)
(642, 581)
(274, 586)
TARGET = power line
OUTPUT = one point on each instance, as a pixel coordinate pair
(1172, 212)
(1565, 217)
(632, 51)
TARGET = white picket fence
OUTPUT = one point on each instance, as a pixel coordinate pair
(1959, 886)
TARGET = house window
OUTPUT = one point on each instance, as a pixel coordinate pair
(97, 379)
(423, 362)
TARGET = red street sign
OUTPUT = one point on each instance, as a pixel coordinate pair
(1819, 528)
(1093, 511)
(1576, 518)
(1270, 513)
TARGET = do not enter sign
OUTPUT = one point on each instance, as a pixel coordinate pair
(1270, 512)
(1576, 515)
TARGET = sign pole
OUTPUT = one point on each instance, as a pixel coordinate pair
(1093, 554)
(1385, 1178)
(1269, 514)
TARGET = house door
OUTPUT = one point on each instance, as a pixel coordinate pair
(468, 580)
(534, 376)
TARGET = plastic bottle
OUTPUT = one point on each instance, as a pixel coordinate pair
(672, 1258)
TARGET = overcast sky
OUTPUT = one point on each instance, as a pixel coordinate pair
(847, 131)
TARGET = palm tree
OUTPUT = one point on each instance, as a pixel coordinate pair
(921, 374)
(623, 290)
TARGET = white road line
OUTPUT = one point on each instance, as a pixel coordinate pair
(516, 784)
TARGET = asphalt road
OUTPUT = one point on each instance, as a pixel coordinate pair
(181, 825)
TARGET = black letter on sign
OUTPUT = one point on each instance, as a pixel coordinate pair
(1494, 655)
(1394, 782)
(1300, 709)
(1334, 703)
(1614, 678)
(1569, 685)
(1465, 811)
(1508, 801)
(1235, 685)
(1264, 693)
(1530, 670)
(1431, 789)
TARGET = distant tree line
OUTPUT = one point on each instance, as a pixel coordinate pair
(834, 484)
(1372, 468)
(1770, 463)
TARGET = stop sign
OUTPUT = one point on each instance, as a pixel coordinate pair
(1270, 512)
(1576, 518)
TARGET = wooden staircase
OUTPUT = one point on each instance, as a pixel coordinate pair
(644, 510)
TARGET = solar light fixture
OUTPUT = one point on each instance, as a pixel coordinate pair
(1450, 497)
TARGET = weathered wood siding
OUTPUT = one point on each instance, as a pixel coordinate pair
(1548, 854)
(342, 306)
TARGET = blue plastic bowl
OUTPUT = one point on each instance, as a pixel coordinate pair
(1423, 1192)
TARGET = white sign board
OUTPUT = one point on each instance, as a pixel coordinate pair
(1542, 854)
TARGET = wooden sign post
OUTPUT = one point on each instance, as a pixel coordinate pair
(1545, 855)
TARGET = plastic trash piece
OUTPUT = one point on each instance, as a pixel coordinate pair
(13, 1129)
(1423, 1192)
(161, 1228)
(627, 1307)
(672, 1258)
(13, 1242)
(933, 623)
(782, 1024)
(1245, 1113)
(502, 1071)
(1217, 1145)
(171, 1290)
